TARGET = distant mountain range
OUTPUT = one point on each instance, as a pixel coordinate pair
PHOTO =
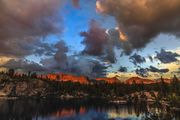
(85, 80)
(68, 77)
(139, 80)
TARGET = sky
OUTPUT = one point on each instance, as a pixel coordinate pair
(95, 38)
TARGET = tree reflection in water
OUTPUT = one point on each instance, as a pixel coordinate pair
(53, 109)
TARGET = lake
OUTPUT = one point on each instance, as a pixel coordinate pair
(91, 109)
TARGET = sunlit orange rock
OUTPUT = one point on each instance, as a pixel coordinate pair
(108, 80)
(139, 80)
(52, 76)
(68, 78)
(81, 79)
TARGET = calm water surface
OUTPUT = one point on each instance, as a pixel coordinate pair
(53, 109)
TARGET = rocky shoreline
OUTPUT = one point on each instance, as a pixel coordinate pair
(12, 89)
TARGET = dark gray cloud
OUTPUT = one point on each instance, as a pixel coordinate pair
(110, 54)
(154, 69)
(98, 43)
(159, 16)
(24, 65)
(142, 72)
(25, 23)
(123, 69)
(99, 69)
(61, 62)
(150, 58)
(102, 42)
(61, 54)
(75, 64)
(80, 65)
(137, 59)
(95, 39)
(167, 56)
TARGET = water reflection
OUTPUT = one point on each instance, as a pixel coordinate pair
(53, 109)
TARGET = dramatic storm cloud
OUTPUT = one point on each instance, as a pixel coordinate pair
(75, 64)
(123, 69)
(166, 56)
(61, 54)
(102, 42)
(137, 59)
(24, 65)
(142, 72)
(98, 43)
(150, 58)
(24, 23)
(95, 39)
(143, 20)
(59, 60)
(154, 69)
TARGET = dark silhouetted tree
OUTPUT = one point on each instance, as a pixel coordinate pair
(11, 72)
(29, 73)
(163, 87)
(34, 75)
(175, 84)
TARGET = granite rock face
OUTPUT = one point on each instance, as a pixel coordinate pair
(24, 88)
